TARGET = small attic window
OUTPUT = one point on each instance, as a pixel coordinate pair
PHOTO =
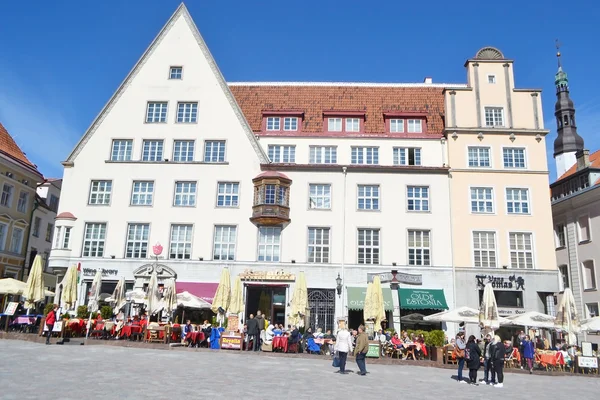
(492, 79)
(175, 72)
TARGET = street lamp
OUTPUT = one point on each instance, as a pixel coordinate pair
(338, 281)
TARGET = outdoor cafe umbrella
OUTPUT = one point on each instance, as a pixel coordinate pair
(93, 301)
(34, 291)
(533, 319)
(69, 291)
(236, 305)
(591, 325)
(368, 304)
(461, 314)
(377, 303)
(299, 299)
(567, 318)
(11, 286)
(118, 296)
(152, 299)
(488, 310)
(222, 295)
(188, 300)
(170, 297)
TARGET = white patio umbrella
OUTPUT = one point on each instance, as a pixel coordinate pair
(170, 297)
(222, 296)
(488, 310)
(188, 300)
(12, 286)
(461, 314)
(69, 291)
(153, 295)
(118, 296)
(136, 296)
(533, 319)
(299, 302)
(567, 318)
(93, 301)
(34, 291)
(591, 325)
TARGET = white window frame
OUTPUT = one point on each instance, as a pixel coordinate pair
(138, 237)
(57, 237)
(481, 203)
(94, 236)
(290, 124)
(66, 238)
(334, 124)
(180, 242)
(144, 193)
(157, 112)
(493, 116)
(524, 251)
(479, 156)
(215, 151)
(273, 123)
(352, 124)
(3, 235)
(282, 154)
(414, 126)
(370, 245)
(417, 198)
(511, 157)
(588, 314)
(319, 196)
(365, 155)
(591, 265)
(421, 254)
(563, 272)
(483, 252)
(396, 125)
(560, 235)
(319, 245)
(153, 150)
(580, 237)
(517, 202)
(228, 194)
(187, 112)
(7, 195)
(269, 244)
(491, 79)
(401, 155)
(16, 241)
(185, 194)
(176, 72)
(224, 242)
(23, 202)
(323, 155)
(100, 193)
(121, 150)
(184, 150)
(370, 195)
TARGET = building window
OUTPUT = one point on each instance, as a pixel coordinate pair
(142, 193)
(513, 157)
(3, 233)
(183, 150)
(320, 196)
(560, 235)
(121, 150)
(214, 151)
(589, 275)
(57, 237)
(152, 150)
(352, 125)
(53, 203)
(368, 197)
(396, 125)
(479, 157)
(157, 112)
(175, 72)
(494, 116)
(49, 230)
(282, 154)
(187, 112)
(482, 200)
(484, 249)
(517, 201)
(334, 124)
(318, 245)
(137, 241)
(180, 247)
(415, 126)
(224, 243)
(368, 246)
(269, 243)
(100, 192)
(584, 229)
(7, 195)
(521, 250)
(563, 282)
(185, 194)
(418, 198)
(492, 79)
(407, 156)
(290, 124)
(35, 231)
(418, 248)
(273, 123)
(23, 201)
(16, 241)
(93, 240)
(323, 155)
(591, 310)
(365, 155)
(66, 238)
(228, 194)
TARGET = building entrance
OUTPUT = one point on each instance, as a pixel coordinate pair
(270, 300)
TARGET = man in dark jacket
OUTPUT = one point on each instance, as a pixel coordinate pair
(487, 363)
(361, 349)
(253, 333)
(260, 321)
(498, 352)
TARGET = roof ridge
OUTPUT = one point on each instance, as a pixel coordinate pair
(9, 146)
(358, 84)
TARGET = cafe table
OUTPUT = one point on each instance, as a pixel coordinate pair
(280, 342)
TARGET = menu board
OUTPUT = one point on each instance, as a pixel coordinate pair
(231, 342)
(374, 350)
(11, 308)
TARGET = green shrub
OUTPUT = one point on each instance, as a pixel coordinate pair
(65, 315)
(435, 338)
(106, 312)
(82, 312)
(48, 308)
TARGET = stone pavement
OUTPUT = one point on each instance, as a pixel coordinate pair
(35, 371)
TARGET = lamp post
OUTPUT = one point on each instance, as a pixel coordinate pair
(394, 285)
(338, 286)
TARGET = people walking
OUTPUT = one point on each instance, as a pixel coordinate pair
(497, 355)
(50, 320)
(361, 349)
(473, 359)
(459, 354)
(343, 346)
(528, 352)
(253, 333)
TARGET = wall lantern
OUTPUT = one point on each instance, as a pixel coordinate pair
(338, 287)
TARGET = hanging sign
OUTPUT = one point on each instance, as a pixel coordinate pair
(402, 277)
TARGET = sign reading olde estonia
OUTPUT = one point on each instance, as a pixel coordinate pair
(278, 275)
(105, 272)
(498, 282)
(420, 298)
(386, 277)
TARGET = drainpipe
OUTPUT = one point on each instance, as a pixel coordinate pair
(35, 206)
(345, 172)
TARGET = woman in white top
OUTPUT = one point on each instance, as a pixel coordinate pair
(269, 334)
(343, 345)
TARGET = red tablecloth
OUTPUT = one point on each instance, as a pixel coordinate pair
(161, 333)
(280, 342)
(128, 330)
(195, 337)
(24, 320)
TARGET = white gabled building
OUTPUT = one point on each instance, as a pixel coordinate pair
(358, 184)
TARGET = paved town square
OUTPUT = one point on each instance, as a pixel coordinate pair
(93, 372)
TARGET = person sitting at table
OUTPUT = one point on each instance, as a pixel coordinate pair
(118, 328)
(144, 320)
(206, 328)
(187, 328)
(319, 334)
(99, 317)
(269, 334)
(566, 355)
(396, 341)
(277, 331)
(294, 335)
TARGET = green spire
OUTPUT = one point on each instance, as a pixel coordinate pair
(560, 79)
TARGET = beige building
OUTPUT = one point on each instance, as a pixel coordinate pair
(501, 215)
(19, 179)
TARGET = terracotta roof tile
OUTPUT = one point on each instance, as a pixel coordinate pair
(374, 101)
(594, 163)
(10, 148)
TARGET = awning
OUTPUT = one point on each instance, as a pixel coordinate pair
(356, 298)
(204, 290)
(422, 299)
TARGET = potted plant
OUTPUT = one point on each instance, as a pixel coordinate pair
(435, 340)
(106, 312)
(82, 312)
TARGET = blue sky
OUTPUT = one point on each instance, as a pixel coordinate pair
(61, 61)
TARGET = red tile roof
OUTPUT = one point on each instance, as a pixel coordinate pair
(9, 147)
(313, 101)
(594, 163)
(65, 215)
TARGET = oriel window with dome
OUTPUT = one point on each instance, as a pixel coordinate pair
(271, 205)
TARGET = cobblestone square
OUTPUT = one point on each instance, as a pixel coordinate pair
(36, 371)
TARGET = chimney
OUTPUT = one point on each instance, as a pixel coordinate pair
(583, 159)
(428, 80)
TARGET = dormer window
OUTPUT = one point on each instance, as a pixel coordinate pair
(282, 123)
(415, 126)
(334, 124)
(402, 122)
(343, 121)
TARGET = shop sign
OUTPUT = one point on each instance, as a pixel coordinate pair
(587, 362)
(231, 342)
(500, 282)
(374, 350)
(105, 272)
(423, 299)
(510, 311)
(401, 277)
(279, 275)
